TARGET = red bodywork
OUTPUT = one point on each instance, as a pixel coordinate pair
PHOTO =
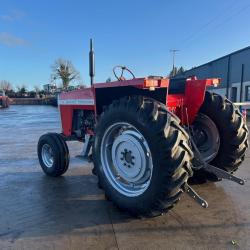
(4, 101)
(185, 105)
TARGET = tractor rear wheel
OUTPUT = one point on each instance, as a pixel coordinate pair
(225, 136)
(141, 156)
(53, 154)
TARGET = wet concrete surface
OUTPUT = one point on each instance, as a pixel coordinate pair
(70, 212)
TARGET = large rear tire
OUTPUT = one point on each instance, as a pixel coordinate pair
(233, 133)
(141, 155)
(53, 154)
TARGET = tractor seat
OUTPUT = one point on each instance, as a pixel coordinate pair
(177, 86)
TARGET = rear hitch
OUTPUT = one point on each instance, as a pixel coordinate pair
(200, 163)
(212, 169)
(223, 174)
(195, 196)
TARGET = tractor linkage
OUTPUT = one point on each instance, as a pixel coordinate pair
(221, 174)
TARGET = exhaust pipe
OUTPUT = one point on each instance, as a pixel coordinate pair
(91, 63)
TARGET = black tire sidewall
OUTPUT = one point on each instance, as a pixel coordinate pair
(149, 195)
(63, 149)
(61, 161)
(227, 119)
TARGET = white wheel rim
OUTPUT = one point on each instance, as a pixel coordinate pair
(47, 155)
(126, 159)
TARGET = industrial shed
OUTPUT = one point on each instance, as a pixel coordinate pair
(233, 69)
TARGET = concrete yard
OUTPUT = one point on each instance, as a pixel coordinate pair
(70, 212)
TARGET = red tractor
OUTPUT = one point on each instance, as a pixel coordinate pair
(4, 100)
(147, 137)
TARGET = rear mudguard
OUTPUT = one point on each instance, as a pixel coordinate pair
(186, 105)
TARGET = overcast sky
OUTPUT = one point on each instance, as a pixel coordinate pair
(138, 34)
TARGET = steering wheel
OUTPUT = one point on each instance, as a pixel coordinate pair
(122, 68)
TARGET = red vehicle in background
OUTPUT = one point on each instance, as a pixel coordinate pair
(4, 100)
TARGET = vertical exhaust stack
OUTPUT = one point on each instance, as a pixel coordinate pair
(91, 63)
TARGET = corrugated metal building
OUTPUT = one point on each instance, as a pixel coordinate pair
(233, 69)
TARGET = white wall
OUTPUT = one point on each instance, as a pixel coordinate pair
(222, 91)
(219, 91)
(237, 85)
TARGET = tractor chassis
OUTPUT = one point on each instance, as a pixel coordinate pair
(87, 145)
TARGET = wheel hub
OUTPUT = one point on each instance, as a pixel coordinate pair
(200, 137)
(206, 137)
(47, 155)
(128, 155)
(126, 159)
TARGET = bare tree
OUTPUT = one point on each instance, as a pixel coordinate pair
(180, 71)
(81, 85)
(37, 89)
(23, 89)
(18, 88)
(5, 85)
(173, 72)
(108, 79)
(65, 71)
(176, 71)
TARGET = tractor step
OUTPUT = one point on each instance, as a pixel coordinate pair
(195, 196)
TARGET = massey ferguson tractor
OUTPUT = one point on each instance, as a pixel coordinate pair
(4, 100)
(148, 137)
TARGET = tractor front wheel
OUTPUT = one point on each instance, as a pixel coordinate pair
(53, 154)
(141, 156)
